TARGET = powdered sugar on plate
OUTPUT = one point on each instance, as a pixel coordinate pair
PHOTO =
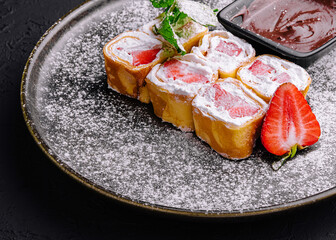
(119, 145)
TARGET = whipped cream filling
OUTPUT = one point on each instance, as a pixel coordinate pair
(128, 42)
(206, 103)
(148, 27)
(222, 60)
(193, 65)
(266, 84)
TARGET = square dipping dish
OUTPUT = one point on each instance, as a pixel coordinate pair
(231, 19)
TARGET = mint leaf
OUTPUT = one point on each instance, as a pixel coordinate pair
(162, 3)
(168, 33)
(177, 17)
(177, 14)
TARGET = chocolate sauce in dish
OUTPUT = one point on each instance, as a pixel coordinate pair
(302, 25)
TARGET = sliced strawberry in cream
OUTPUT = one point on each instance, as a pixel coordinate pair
(243, 110)
(260, 68)
(223, 98)
(236, 106)
(178, 70)
(282, 78)
(228, 48)
(142, 57)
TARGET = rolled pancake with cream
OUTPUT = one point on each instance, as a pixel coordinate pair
(128, 59)
(228, 116)
(265, 73)
(225, 52)
(173, 85)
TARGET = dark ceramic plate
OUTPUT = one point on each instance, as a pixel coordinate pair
(117, 146)
(265, 45)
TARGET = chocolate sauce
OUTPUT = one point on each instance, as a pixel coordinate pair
(302, 25)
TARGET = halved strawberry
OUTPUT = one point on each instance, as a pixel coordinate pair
(228, 48)
(180, 71)
(260, 68)
(141, 57)
(289, 123)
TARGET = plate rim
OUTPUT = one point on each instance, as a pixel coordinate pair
(112, 195)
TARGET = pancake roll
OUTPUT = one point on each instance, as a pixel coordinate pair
(265, 73)
(225, 52)
(228, 116)
(173, 85)
(128, 59)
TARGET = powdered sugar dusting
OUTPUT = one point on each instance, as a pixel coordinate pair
(117, 143)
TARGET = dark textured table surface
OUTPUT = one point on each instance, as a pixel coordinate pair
(39, 201)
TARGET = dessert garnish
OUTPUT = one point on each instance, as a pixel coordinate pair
(289, 124)
(179, 13)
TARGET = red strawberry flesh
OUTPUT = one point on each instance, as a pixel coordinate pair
(289, 122)
(260, 68)
(142, 57)
(235, 105)
(228, 48)
(282, 78)
(243, 110)
(178, 70)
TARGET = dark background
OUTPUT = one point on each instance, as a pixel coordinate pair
(39, 201)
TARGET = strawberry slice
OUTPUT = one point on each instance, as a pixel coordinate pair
(243, 110)
(289, 123)
(236, 106)
(180, 71)
(282, 78)
(228, 48)
(141, 57)
(260, 68)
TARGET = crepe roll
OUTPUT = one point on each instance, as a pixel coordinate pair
(173, 85)
(228, 116)
(225, 52)
(265, 73)
(128, 59)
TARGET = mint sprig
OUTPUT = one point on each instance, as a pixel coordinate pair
(178, 13)
(167, 32)
(162, 3)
